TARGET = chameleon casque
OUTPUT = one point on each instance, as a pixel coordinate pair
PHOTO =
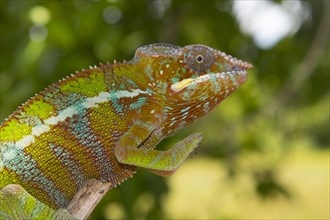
(104, 122)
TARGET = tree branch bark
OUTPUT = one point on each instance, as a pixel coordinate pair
(87, 198)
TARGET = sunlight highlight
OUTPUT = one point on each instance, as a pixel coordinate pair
(269, 22)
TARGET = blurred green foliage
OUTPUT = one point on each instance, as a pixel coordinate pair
(284, 104)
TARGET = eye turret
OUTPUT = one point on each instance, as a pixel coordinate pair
(198, 57)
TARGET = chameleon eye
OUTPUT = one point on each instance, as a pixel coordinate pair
(199, 58)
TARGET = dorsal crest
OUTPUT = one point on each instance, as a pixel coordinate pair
(156, 50)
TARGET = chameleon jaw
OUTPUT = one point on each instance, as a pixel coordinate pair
(240, 76)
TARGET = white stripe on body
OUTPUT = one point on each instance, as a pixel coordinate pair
(91, 102)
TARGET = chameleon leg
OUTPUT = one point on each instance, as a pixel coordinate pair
(190, 142)
(160, 162)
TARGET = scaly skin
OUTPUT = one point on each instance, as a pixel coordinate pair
(104, 122)
(16, 203)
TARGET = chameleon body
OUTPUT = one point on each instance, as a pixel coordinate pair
(104, 122)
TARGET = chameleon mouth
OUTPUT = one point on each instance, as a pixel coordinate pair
(238, 77)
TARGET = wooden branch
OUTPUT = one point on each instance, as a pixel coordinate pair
(87, 198)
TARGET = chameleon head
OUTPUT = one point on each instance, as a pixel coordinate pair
(195, 77)
(195, 72)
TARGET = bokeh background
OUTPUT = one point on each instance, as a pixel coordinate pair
(265, 153)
